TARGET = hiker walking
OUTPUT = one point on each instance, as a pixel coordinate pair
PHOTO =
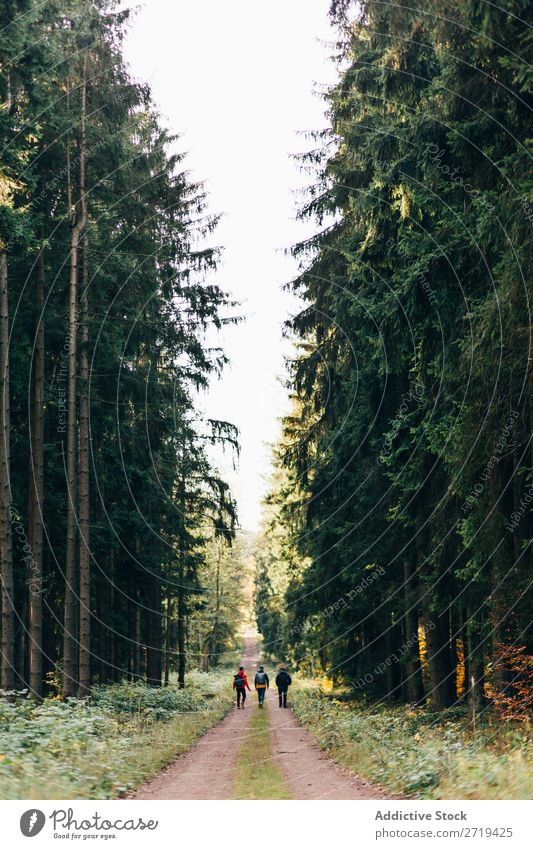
(283, 682)
(261, 685)
(240, 683)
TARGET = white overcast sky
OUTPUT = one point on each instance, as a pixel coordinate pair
(236, 78)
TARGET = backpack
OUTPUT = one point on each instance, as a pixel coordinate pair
(284, 679)
(260, 677)
(239, 681)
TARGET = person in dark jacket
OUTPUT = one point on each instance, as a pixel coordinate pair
(283, 682)
(261, 685)
(240, 683)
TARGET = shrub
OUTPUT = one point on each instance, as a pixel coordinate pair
(157, 703)
(102, 747)
(421, 752)
(513, 700)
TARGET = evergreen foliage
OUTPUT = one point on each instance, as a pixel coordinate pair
(403, 500)
(109, 505)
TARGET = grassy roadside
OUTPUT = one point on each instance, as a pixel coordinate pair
(126, 734)
(257, 776)
(419, 753)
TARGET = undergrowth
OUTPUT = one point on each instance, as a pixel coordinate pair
(104, 747)
(419, 752)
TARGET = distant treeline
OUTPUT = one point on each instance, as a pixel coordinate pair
(408, 453)
(109, 507)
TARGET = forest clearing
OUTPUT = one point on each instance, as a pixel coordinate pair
(388, 563)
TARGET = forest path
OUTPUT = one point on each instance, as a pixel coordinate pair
(207, 771)
(308, 771)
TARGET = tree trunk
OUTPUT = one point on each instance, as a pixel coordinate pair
(21, 653)
(36, 495)
(437, 631)
(530, 405)
(182, 601)
(464, 635)
(85, 561)
(476, 666)
(438, 649)
(113, 671)
(78, 221)
(101, 630)
(393, 674)
(167, 639)
(181, 630)
(454, 631)
(137, 670)
(69, 633)
(6, 545)
(213, 657)
(153, 649)
(413, 668)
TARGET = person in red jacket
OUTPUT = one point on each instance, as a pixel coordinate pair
(240, 683)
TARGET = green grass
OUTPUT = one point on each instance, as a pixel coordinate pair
(419, 752)
(257, 775)
(103, 749)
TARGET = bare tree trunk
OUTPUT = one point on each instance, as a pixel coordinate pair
(69, 632)
(437, 632)
(437, 629)
(114, 674)
(182, 604)
(167, 638)
(464, 635)
(36, 494)
(137, 659)
(6, 545)
(392, 641)
(101, 631)
(21, 653)
(215, 642)
(154, 638)
(78, 221)
(154, 614)
(137, 671)
(181, 632)
(85, 557)
(530, 403)
(413, 669)
(476, 666)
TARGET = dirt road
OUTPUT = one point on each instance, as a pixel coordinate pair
(309, 772)
(208, 770)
